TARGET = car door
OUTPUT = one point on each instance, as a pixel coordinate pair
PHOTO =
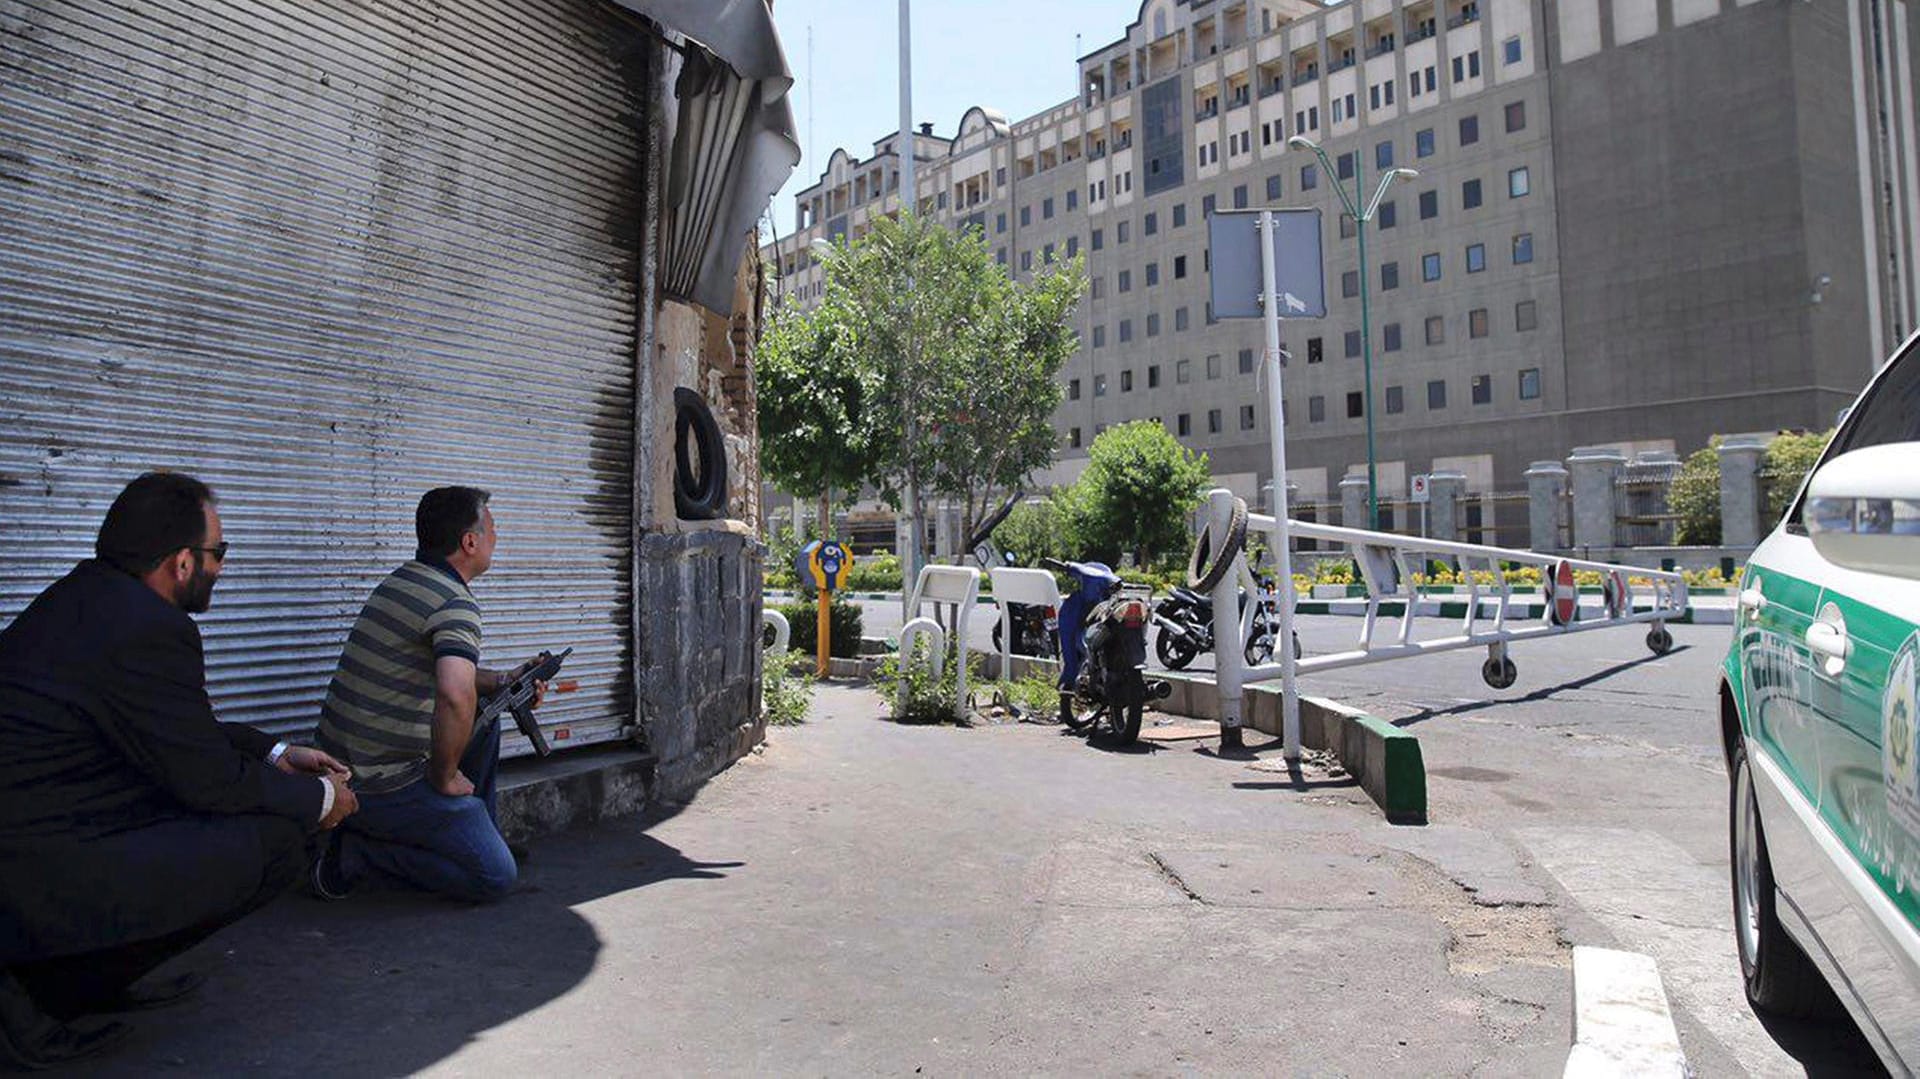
(1862, 640)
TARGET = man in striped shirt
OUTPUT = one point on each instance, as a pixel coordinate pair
(401, 712)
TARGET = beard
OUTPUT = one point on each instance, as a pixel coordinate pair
(197, 594)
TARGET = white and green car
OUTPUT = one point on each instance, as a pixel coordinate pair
(1818, 710)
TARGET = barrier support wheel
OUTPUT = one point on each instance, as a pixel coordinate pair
(1499, 673)
(1659, 641)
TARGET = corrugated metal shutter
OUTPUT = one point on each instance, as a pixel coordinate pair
(327, 256)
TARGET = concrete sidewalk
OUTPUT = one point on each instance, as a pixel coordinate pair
(865, 897)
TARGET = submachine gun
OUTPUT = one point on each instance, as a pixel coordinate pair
(517, 697)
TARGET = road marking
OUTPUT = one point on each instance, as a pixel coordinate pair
(1655, 898)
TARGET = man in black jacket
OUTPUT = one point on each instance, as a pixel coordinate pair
(132, 823)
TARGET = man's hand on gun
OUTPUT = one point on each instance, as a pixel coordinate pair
(522, 692)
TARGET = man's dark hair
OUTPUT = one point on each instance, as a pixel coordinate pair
(156, 515)
(445, 514)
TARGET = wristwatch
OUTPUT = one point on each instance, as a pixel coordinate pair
(278, 751)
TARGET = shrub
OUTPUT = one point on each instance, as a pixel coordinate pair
(929, 699)
(1789, 458)
(1695, 498)
(845, 622)
(785, 697)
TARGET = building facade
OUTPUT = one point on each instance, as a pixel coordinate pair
(1636, 223)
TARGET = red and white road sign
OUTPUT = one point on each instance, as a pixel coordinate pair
(1563, 598)
(1619, 598)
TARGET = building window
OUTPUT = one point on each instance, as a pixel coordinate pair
(1213, 421)
(1436, 395)
(1126, 381)
(1429, 266)
(1026, 216)
(1470, 195)
(1516, 116)
(1213, 366)
(1099, 287)
(1309, 177)
(1383, 155)
(1273, 187)
(1150, 224)
(1483, 389)
(1423, 142)
(1510, 50)
(1246, 417)
(1240, 196)
(1183, 372)
(1179, 320)
(1389, 276)
(1518, 183)
(1343, 166)
(1073, 198)
(1153, 324)
(1352, 343)
(1100, 337)
(1339, 110)
(1126, 330)
(1477, 322)
(1525, 316)
(1429, 205)
(1315, 353)
(1346, 226)
(1153, 274)
(1523, 249)
(1126, 280)
(1179, 214)
(1099, 385)
(1386, 216)
(1436, 330)
(1120, 231)
(1026, 261)
(1476, 257)
(999, 177)
(1000, 222)
(1207, 203)
(1073, 390)
(1350, 284)
(1246, 361)
(1469, 130)
(1529, 383)
(1316, 408)
(1396, 400)
(1179, 267)
(1073, 246)
(1073, 438)
(1153, 376)
(1356, 405)
(1390, 337)
(1046, 254)
(1097, 239)
(1183, 425)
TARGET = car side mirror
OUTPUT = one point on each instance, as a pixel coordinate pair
(1863, 510)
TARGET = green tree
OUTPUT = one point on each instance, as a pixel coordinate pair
(1036, 530)
(1695, 498)
(815, 433)
(1138, 491)
(1789, 458)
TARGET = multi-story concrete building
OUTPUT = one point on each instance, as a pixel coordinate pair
(1636, 222)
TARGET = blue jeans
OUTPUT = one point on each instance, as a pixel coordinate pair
(418, 838)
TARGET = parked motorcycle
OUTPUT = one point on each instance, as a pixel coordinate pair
(1104, 686)
(1035, 628)
(1184, 619)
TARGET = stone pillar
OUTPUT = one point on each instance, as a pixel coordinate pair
(1593, 470)
(1445, 490)
(1740, 508)
(1546, 505)
(1353, 501)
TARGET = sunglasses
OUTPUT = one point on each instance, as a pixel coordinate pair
(219, 553)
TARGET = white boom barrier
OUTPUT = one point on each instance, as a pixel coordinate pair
(1494, 615)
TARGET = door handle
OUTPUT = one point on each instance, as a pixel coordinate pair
(1753, 600)
(1831, 641)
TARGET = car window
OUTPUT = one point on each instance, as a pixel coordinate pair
(1890, 413)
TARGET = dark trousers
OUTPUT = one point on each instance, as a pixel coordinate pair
(420, 839)
(93, 915)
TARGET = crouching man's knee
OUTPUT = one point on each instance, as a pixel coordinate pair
(493, 878)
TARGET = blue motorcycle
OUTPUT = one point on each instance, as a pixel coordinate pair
(1103, 654)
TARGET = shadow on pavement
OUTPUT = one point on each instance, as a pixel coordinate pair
(389, 984)
(1541, 694)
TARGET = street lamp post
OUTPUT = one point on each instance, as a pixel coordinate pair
(1361, 216)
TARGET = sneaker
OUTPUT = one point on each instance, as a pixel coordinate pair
(324, 882)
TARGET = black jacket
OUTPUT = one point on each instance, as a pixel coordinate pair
(105, 723)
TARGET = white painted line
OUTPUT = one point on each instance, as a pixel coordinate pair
(1621, 1025)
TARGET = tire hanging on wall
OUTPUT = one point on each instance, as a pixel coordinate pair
(1210, 566)
(699, 494)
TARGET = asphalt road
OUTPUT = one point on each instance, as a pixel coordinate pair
(1601, 768)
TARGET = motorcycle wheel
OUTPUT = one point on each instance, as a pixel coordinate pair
(996, 636)
(1123, 724)
(1072, 718)
(1174, 654)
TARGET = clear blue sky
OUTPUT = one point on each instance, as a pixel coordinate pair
(1013, 55)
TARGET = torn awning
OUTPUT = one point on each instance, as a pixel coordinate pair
(731, 141)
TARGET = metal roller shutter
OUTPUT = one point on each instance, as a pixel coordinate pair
(326, 256)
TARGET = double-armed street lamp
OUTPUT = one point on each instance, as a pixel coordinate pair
(1361, 215)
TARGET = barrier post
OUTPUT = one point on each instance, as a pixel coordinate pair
(823, 635)
(1227, 644)
(1282, 543)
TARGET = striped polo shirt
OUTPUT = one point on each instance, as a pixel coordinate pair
(378, 715)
